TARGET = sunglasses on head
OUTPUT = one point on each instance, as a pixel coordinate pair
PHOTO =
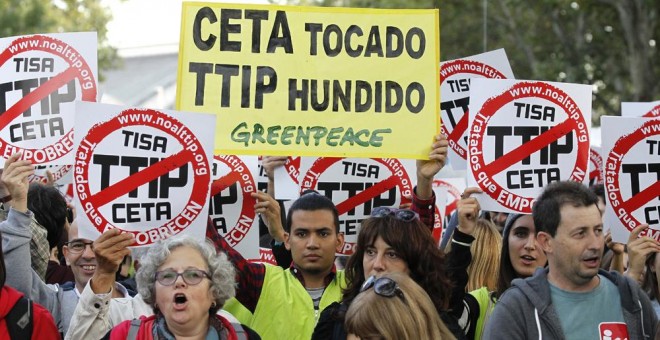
(383, 286)
(405, 215)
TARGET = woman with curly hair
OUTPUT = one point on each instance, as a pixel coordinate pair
(186, 282)
(395, 241)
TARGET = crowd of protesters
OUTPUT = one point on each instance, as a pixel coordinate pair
(553, 274)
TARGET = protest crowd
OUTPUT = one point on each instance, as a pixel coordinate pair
(531, 246)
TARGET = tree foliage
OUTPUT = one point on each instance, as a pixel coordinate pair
(607, 43)
(19, 17)
(610, 44)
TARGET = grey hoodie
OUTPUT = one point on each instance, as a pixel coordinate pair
(525, 310)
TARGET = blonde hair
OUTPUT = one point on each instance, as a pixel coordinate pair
(412, 316)
(484, 269)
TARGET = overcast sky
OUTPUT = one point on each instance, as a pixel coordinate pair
(147, 23)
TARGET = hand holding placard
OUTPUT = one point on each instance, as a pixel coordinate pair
(427, 169)
(468, 211)
(639, 249)
(269, 210)
(110, 249)
(15, 179)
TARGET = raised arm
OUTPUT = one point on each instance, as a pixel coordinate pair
(249, 276)
(617, 250)
(462, 305)
(639, 249)
(269, 210)
(427, 169)
(423, 200)
(103, 302)
(110, 249)
(16, 236)
(15, 179)
(282, 255)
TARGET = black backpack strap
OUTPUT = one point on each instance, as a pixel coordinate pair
(338, 330)
(240, 331)
(19, 320)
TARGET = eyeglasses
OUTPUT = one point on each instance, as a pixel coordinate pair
(189, 276)
(383, 286)
(405, 215)
(77, 247)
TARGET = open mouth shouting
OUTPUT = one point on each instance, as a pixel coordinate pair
(180, 301)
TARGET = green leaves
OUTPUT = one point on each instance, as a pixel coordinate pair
(19, 17)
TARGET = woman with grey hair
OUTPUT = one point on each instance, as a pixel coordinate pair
(186, 282)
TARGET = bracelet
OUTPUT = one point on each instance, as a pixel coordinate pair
(5, 199)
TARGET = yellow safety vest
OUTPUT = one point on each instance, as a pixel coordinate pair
(486, 305)
(285, 310)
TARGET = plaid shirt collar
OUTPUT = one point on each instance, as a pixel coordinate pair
(298, 274)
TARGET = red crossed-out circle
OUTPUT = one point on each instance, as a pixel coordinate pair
(292, 167)
(467, 67)
(48, 87)
(238, 173)
(655, 112)
(613, 164)
(575, 122)
(403, 183)
(449, 208)
(91, 202)
(57, 174)
(450, 190)
(597, 161)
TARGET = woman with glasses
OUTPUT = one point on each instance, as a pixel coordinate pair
(395, 241)
(185, 282)
(393, 306)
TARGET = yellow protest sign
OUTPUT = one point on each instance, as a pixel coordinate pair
(312, 81)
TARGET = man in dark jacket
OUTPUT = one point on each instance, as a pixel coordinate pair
(572, 298)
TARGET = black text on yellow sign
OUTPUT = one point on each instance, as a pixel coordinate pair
(297, 67)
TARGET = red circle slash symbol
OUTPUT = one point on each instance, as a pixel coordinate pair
(399, 178)
(240, 175)
(193, 152)
(655, 112)
(624, 209)
(78, 69)
(450, 69)
(574, 122)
